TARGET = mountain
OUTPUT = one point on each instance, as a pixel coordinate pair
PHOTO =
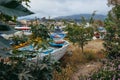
(78, 17)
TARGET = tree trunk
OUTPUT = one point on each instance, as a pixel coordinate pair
(82, 48)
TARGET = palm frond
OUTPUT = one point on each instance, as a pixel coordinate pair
(13, 8)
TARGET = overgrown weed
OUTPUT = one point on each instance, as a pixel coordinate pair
(71, 63)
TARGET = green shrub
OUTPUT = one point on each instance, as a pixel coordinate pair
(110, 71)
(20, 69)
(112, 37)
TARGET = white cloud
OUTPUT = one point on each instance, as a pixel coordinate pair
(68, 7)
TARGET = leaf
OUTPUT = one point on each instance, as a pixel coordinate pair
(43, 66)
(24, 75)
(13, 8)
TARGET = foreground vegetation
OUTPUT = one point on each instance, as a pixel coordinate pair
(110, 70)
(20, 69)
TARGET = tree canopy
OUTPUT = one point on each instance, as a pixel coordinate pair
(112, 24)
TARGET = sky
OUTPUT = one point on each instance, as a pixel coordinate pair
(56, 8)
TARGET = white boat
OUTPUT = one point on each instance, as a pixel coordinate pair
(23, 28)
(17, 33)
(55, 52)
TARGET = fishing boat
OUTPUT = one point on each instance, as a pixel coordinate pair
(22, 28)
(56, 52)
(57, 48)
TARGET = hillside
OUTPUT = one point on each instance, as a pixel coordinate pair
(69, 17)
(78, 17)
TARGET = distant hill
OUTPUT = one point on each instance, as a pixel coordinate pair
(78, 17)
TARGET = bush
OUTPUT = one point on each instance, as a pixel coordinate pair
(110, 71)
(19, 69)
(112, 37)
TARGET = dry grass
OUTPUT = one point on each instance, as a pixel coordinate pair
(95, 45)
(71, 63)
(65, 74)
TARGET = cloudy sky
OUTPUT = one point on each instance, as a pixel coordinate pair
(55, 8)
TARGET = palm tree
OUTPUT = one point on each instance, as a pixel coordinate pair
(13, 8)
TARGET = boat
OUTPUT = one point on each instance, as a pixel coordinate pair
(57, 48)
(55, 52)
(57, 34)
(22, 27)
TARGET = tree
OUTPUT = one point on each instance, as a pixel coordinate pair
(10, 9)
(40, 35)
(79, 34)
(112, 24)
(113, 2)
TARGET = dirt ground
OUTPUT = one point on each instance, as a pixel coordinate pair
(95, 45)
(88, 68)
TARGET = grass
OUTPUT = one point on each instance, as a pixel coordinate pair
(70, 63)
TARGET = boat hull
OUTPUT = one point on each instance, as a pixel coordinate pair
(57, 54)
